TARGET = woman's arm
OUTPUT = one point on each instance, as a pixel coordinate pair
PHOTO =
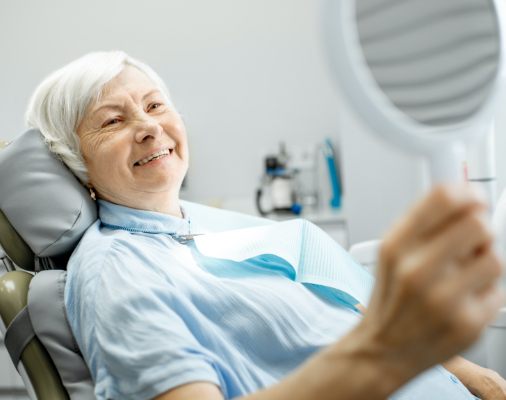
(482, 382)
(434, 294)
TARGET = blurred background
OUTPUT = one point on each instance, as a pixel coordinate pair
(246, 76)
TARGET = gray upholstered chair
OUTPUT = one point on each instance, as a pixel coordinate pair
(43, 213)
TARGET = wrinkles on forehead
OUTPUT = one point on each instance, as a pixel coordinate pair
(118, 103)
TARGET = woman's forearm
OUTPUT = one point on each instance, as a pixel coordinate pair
(482, 382)
(461, 368)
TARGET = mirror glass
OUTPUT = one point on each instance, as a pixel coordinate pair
(435, 60)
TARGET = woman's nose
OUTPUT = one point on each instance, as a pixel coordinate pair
(147, 128)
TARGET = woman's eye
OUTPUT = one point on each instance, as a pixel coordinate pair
(154, 106)
(110, 122)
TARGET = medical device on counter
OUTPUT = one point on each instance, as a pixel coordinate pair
(308, 179)
(278, 186)
(425, 75)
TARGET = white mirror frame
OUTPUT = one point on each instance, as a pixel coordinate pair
(442, 145)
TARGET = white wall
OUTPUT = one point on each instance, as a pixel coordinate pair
(381, 180)
(245, 75)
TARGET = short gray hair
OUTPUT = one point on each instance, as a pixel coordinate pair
(58, 104)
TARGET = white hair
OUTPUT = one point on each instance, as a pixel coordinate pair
(58, 104)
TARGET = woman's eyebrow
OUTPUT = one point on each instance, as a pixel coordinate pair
(151, 92)
(116, 106)
(111, 106)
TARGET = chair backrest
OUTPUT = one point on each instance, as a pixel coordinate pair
(35, 181)
(44, 211)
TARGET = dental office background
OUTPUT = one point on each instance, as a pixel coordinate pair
(245, 74)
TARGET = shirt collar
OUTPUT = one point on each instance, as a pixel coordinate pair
(134, 220)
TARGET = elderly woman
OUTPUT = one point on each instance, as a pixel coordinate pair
(153, 323)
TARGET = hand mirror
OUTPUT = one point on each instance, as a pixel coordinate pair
(423, 74)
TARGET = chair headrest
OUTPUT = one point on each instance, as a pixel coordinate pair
(45, 204)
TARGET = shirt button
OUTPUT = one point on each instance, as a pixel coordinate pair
(454, 378)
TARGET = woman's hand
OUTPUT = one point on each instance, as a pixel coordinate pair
(482, 382)
(436, 289)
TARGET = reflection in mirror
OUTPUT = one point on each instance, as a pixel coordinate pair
(435, 60)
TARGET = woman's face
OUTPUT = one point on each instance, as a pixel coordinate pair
(134, 144)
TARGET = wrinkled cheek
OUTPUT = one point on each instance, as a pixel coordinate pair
(91, 144)
(101, 171)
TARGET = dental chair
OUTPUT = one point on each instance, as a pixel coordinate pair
(44, 211)
(43, 214)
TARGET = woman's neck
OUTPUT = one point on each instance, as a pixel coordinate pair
(158, 202)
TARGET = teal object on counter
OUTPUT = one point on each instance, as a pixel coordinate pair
(335, 181)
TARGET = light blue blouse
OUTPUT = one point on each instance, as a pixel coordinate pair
(149, 314)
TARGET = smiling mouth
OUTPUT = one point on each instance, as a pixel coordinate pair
(154, 156)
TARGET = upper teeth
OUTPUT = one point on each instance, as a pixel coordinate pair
(158, 154)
